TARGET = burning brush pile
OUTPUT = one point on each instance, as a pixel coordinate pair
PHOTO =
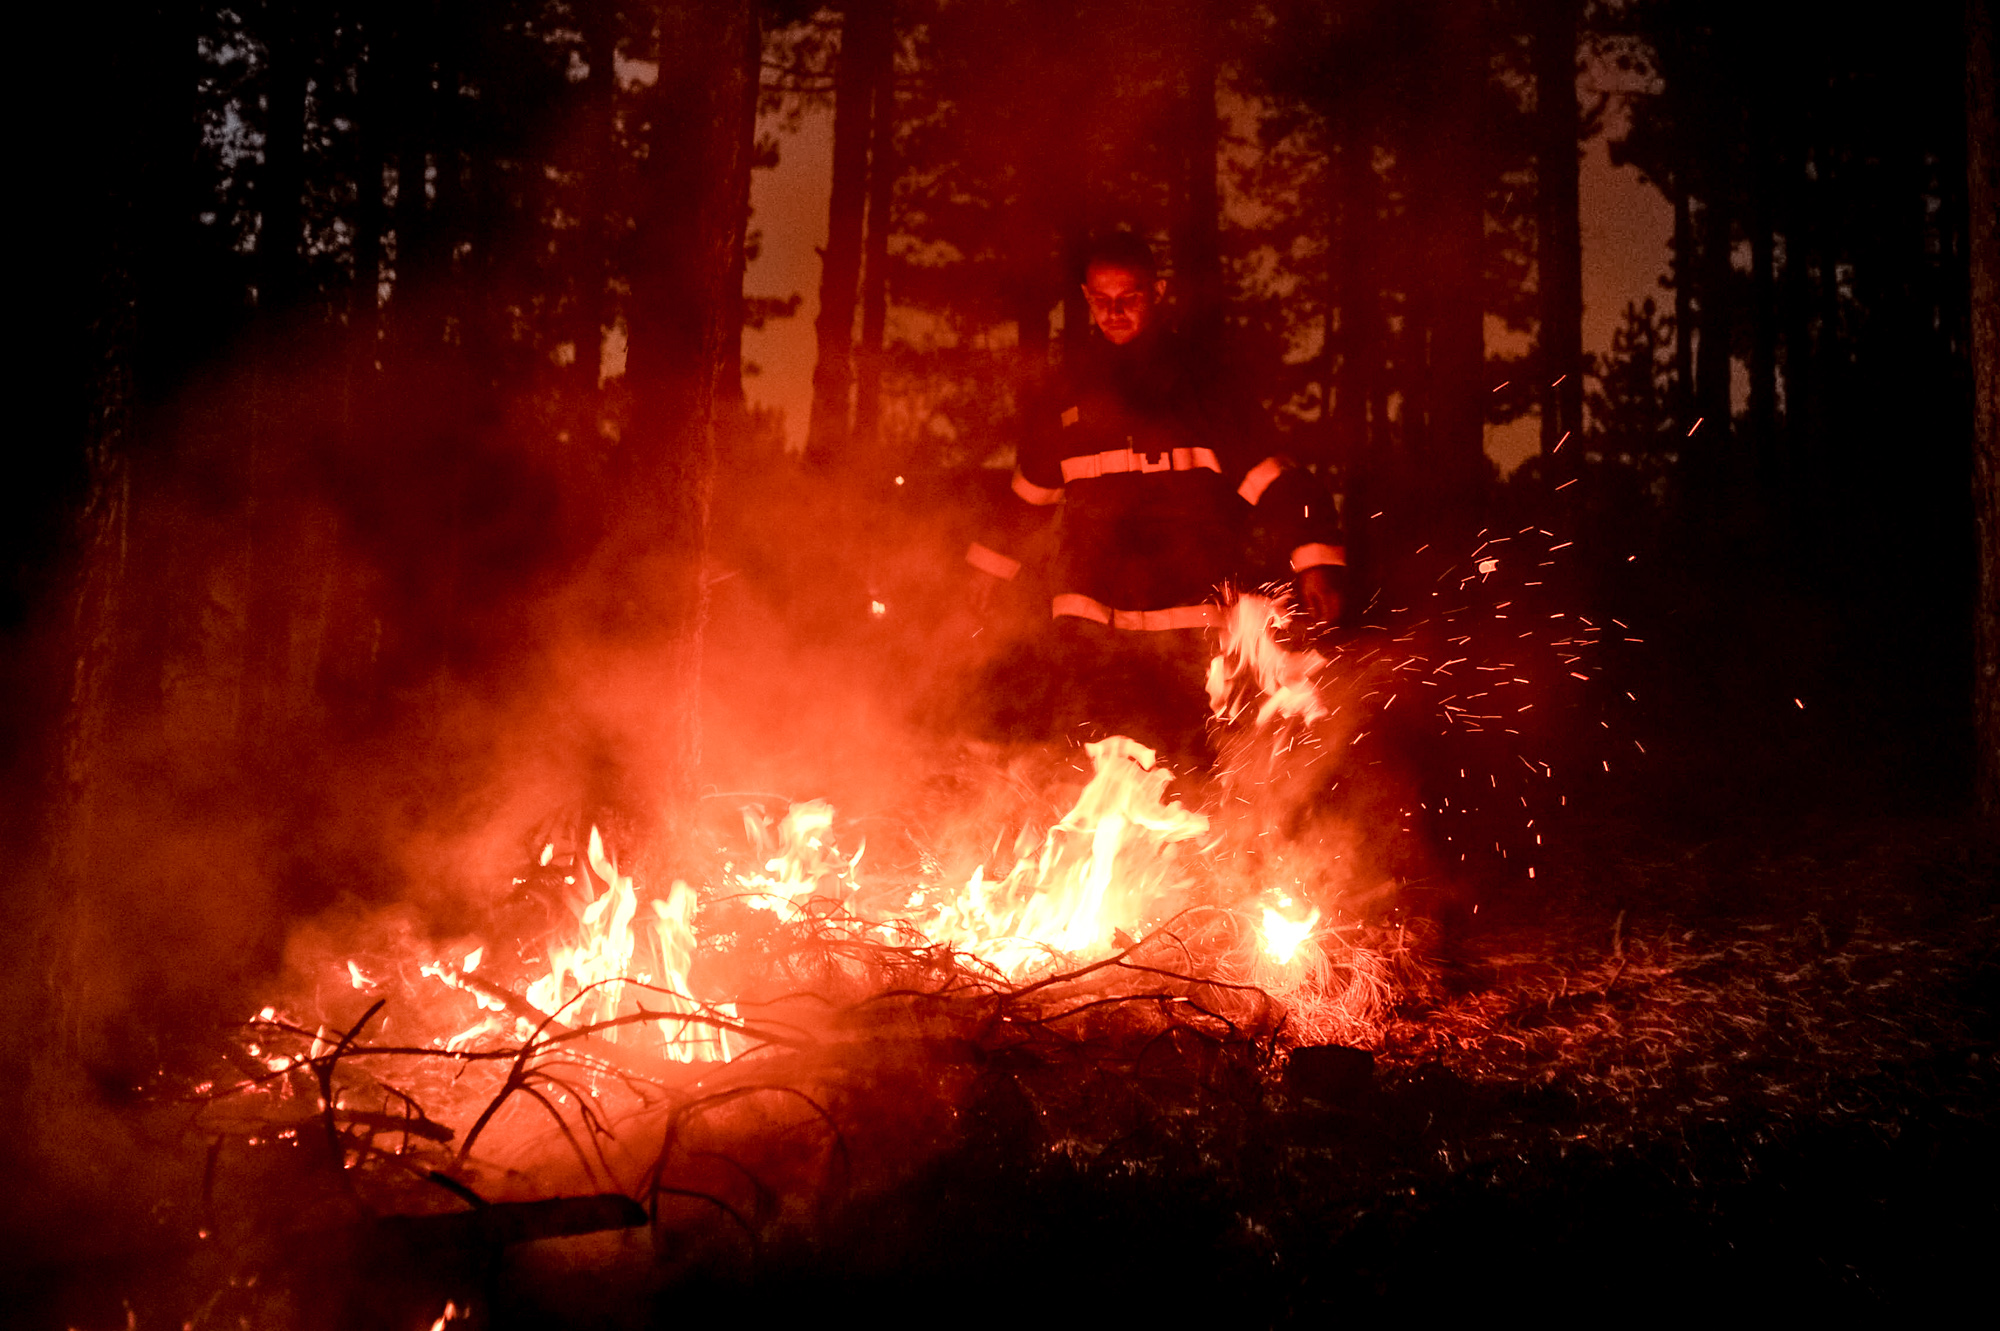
(736, 1050)
(1075, 1021)
(733, 1057)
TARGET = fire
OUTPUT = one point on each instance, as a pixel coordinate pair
(1250, 662)
(1100, 871)
(800, 861)
(1097, 880)
(1131, 912)
(587, 980)
(1111, 870)
(1283, 937)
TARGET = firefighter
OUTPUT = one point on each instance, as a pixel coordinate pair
(1157, 475)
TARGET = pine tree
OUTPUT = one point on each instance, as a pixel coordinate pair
(1982, 112)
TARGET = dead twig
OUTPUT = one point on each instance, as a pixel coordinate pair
(323, 1068)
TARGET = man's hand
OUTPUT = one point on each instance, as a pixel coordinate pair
(1320, 595)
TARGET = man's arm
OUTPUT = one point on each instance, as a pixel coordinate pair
(1323, 594)
(1003, 544)
(1303, 519)
(997, 553)
(1295, 510)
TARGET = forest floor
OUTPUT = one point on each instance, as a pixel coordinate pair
(1759, 1069)
(1755, 1070)
(1734, 1048)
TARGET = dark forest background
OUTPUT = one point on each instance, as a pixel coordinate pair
(373, 348)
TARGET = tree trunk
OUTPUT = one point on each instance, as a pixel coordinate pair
(419, 237)
(591, 312)
(875, 271)
(1684, 261)
(97, 601)
(1792, 204)
(1559, 257)
(281, 182)
(1449, 446)
(864, 45)
(1712, 368)
(734, 403)
(1197, 231)
(1763, 417)
(1982, 50)
(1357, 390)
(1326, 447)
(1357, 385)
(119, 235)
(281, 290)
(361, 374)
(1075, 312)
(1031, 325)
(372, 151)
(1821, 486)
(688, 231)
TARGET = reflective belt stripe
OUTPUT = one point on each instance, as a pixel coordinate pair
(1259, 480)
(1090, 466)
(1173, 617)
(991, 561)
(1033, 493)
(1316, 555)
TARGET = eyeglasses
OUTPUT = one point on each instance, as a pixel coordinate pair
(1130, 302)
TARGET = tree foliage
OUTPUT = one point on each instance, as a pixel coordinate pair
(369, 288)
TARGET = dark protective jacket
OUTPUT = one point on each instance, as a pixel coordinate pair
(1159, 474)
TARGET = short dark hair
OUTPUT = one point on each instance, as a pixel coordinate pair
(1117, 249)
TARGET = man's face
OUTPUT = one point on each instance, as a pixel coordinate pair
(1122, 300)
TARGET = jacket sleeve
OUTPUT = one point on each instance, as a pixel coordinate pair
(1295, 508)
(1007, 537)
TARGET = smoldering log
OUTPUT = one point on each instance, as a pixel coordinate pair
(399, 1270)
(493, 1225)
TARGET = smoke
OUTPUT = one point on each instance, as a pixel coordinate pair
(357, 668)
(367, 654)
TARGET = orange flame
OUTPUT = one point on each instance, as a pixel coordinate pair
(587, 980)
(1282, 937)
(1250, 662)
(1099, 871)
(1251, 666)
(1101, 876)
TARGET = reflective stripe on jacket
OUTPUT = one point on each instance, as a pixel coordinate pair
(1156, 474)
